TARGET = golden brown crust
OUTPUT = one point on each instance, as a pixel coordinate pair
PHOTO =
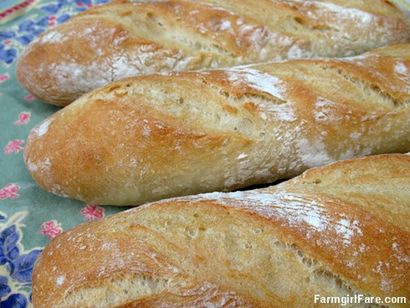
(384, 201)
(152, 137)
(271, 247)
(118, 40)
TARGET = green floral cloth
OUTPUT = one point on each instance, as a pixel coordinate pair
(29, 216)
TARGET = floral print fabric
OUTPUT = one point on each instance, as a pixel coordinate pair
(29, 217)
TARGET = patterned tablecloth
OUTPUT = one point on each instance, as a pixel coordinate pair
(29, 217)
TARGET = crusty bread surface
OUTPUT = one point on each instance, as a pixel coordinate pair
(125, 39)
(337, 230)
(153, 137)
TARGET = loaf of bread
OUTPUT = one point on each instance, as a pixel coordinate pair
(125, 39)
(337, 230)
(158, 136)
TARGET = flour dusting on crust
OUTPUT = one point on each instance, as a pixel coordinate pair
(266, 83)
(400, 68)
(42, 129)
(362, 17)
(292, 208)
(313, 153)
(258, 80)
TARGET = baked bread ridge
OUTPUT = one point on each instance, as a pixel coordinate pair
(123, 39)
(152, 137)
(270, 247)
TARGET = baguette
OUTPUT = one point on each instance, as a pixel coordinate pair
(125, 39)
(337, 230)
(153, 137)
